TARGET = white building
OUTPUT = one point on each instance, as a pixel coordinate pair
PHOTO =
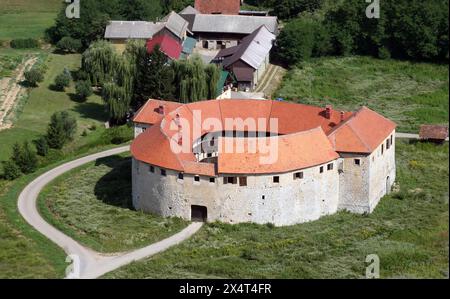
(325, 161)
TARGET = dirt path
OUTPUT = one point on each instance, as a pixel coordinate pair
(86, 262)
(10, 90)
(271, 80)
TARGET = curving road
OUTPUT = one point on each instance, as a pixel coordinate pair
(86, 262)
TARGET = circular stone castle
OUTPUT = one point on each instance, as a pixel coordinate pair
(259, 161)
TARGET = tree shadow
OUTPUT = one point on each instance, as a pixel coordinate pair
(114, 188)
(90, 110)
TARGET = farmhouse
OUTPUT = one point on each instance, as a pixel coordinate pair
(248, 60)
(309, 161)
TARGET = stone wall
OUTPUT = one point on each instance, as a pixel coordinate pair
(262, 201)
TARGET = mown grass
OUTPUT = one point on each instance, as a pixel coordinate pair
(409, 93)
(42, 102)
(93, 205)
(408, 231)
(26, 18)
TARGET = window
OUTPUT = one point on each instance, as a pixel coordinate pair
(230, 180)
(152, 169)
(382, 149)
(276, 179)
(181, 176)
(243, 181)
(209, 155)
(388, 144)
(197, 178)
(392, 139)
(263, 197)
(163, 172)
(321, 169)
(357, 162)
(211, 143)
(212, 180)
(298, 175)
(330, 166)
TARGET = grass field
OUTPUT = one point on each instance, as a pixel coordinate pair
(85, 205)
(42, 102)
(26, 18)
(408, 231)
(409, 93)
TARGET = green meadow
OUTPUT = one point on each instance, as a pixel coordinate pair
(409, 93)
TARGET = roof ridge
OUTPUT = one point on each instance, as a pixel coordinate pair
(359, 137)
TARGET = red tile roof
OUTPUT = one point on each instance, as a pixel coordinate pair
(295, 151)
(433, 132)
(362, 133)
(150, 113)
(302, 129)
(226, 7)
(169, 46)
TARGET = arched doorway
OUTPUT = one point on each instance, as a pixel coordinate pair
(199, 214)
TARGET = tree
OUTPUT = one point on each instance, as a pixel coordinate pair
(68, 44)
(61, 129)
(117, 100)
(303, 38)
(95, 15)
(286, 9)
(34, 76)
(62, 80)
(41, 146)
(144, 10)
(24, 157)
(10, 170)
(212, 79)
(83, 89)
(99, 61)
(154, 77)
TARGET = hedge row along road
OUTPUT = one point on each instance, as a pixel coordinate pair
(87, 264)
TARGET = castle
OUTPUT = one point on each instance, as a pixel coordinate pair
(259, 161)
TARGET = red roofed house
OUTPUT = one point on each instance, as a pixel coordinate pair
(169, 46)
(225, 7)
(260, 161)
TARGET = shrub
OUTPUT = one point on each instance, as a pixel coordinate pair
(34, 76)
(68, 44)
(61, 129)
(117, 135)
(41, 146)
(24, 43)
(81, 75)
(83, 89)
(24, 157)
(62, 81)
(11, 171)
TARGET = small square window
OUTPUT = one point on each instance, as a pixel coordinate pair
(330, 166)
(163, 172)
(209, 155)
(357, 162)
(181, 176)
(232, 180)
(276, 179)
(321, 169)
(212, 180)
(196, 178)
(243, 181)
(298, 175)
(152, 169)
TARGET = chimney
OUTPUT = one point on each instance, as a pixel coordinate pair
(342, 116)
(328, 109)
(161, 109)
